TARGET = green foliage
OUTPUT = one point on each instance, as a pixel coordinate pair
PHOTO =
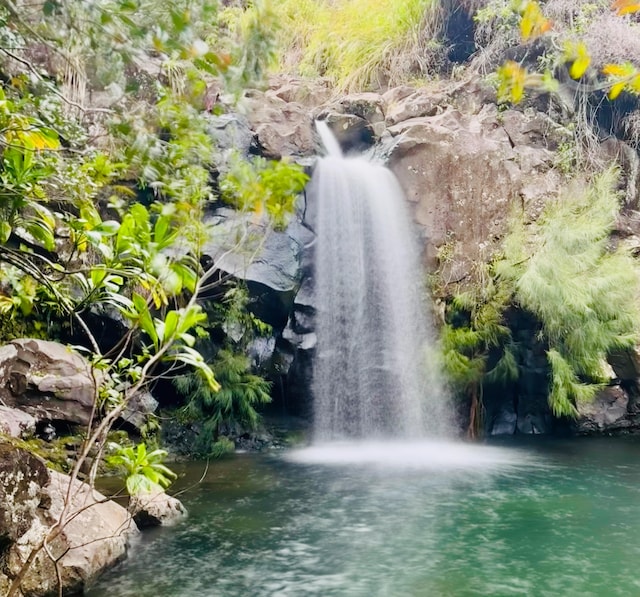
(222, 447)
(475, 327)
(255, 46)
(564, 271)
(234, 316)
(264, 186)
(143, 471)
(234, 404)
(359, 44)
(566, 388)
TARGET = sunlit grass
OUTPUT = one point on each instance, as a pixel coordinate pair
(359, 44)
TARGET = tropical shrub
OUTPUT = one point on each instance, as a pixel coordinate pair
(233, 406)
(143, 471)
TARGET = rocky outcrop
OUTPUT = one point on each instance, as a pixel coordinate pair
(93, 537)
(465, 173)
(270, 262)
(138, 409)
(607, 412)
(156, 509)
(43, 382)
(281, 128)
(47, 380)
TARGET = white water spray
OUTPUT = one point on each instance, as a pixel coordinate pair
(372, 375)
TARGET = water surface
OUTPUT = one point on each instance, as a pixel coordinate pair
(549, 518)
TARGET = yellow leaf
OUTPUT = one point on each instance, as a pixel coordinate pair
(6, 304)
(616, 90)
(533, 23)
(578, 55)
(511, 78)
(624, 7)
(635, 84)
(614, 70)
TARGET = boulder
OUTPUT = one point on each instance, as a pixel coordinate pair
(626, 364)
(22, 478)
(309, 93)
(93, 538)
(231, 132)
(407, 103)
(48, 380)
(138, 409)
(16, 423)
(606, 412)
(156, 509)
(282, 128)
(353, 133)
(269, 261)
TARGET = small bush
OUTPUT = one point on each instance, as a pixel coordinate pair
(233, 406)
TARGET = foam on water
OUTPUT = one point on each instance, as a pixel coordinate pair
(417, 455)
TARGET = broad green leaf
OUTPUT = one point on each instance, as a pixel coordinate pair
(5, 231)
(144, 317)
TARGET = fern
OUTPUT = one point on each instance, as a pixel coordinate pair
(235, 403)
(506, 370)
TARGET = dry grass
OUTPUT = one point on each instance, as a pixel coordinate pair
(611, 39)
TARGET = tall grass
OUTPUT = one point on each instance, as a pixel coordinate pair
(359, 44)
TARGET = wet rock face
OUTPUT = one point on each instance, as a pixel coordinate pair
(465, 173)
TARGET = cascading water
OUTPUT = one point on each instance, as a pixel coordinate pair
(372, 377)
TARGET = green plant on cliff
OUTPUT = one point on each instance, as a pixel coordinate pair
(235, 404)
(566, 270)
(264, 187)
(474, 331)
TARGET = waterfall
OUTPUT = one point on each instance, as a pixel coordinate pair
(372, 374)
